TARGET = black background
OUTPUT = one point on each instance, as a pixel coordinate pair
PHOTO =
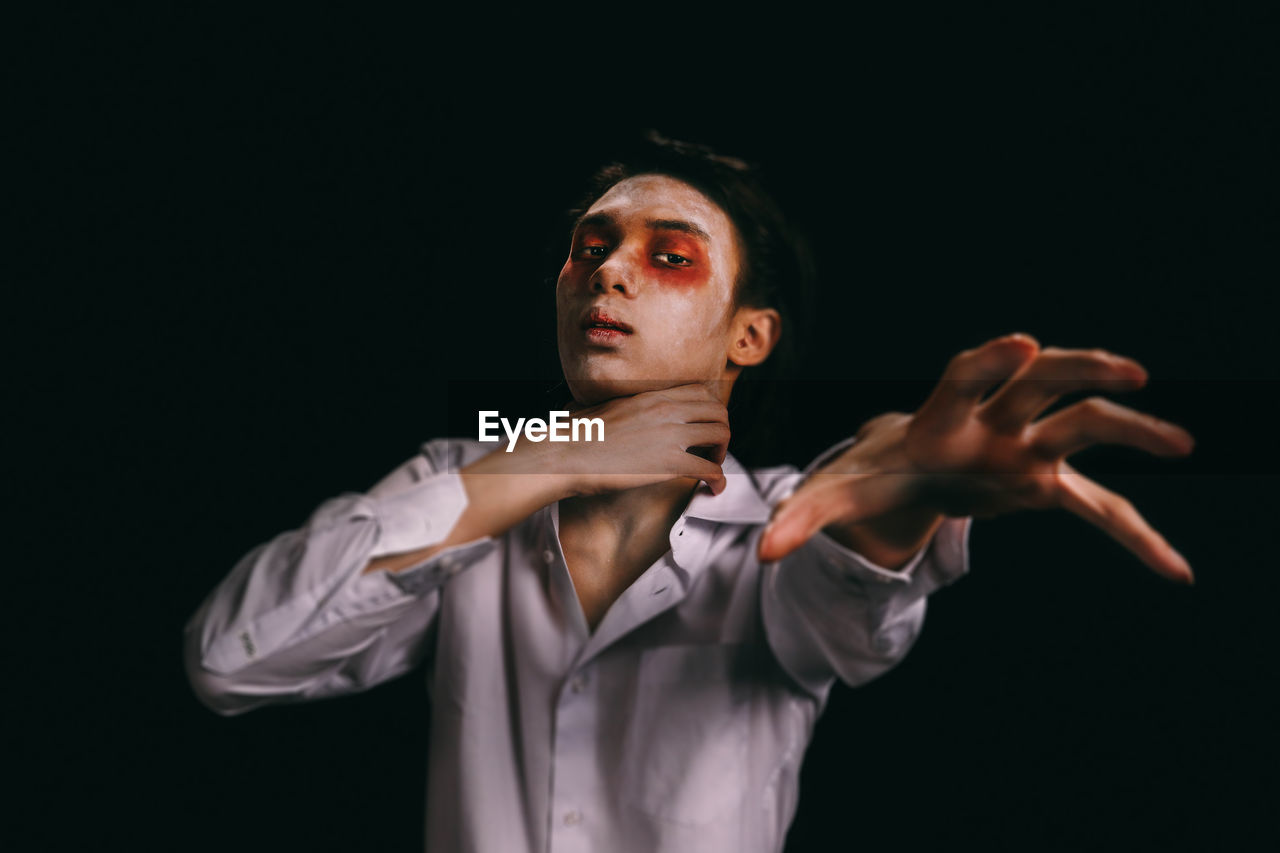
(257, 249)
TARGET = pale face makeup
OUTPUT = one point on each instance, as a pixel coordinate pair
(645, 299)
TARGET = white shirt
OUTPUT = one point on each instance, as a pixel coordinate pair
(680, 724)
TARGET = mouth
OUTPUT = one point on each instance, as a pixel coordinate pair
(598, 323)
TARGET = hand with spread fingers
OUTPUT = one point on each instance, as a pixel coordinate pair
(961, 454)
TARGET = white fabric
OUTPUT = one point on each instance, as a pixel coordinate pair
(678, 725)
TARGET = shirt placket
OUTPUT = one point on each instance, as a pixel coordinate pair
(572, 807)
(574, 811)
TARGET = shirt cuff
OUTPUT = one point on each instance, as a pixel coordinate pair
(433, 572)
(850, 562)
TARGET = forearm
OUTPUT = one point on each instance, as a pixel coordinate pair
(502, 490)
(294, 619)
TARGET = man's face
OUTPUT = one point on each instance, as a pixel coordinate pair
(645, 299)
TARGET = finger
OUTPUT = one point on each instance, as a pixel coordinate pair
(1098, 420)
(1118, 518)
(795, 522)
(713, 436)
(715, 453)
(702, 469)
(971, 374)
(1051, 374)
(826, 499)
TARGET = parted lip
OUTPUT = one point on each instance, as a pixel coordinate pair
(596, 318)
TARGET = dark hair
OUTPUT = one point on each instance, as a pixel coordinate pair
(777, 269)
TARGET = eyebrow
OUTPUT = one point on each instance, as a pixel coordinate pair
(679, 225)
(604, 220)
(599, 220)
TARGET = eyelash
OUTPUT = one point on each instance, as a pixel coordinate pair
(681, 261)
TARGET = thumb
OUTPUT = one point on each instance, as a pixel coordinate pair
(794, 523)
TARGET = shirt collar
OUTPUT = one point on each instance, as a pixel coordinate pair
(739, 503)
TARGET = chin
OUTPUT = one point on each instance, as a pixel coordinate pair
(593, 380)
(590, 391)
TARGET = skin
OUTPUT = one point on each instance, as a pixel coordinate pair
(959, 455)
(676, 289)
(656, 254)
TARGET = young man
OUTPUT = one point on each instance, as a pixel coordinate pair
(629, 641)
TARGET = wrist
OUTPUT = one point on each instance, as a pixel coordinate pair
(891, 540)
(537, 471)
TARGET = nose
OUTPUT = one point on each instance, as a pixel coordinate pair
(617, 273)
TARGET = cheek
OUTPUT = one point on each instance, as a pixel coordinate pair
(564, 288)
(696, 326)
(693, 277)
(569, 281)
(684, 278)
(566, 274)
(575, 274)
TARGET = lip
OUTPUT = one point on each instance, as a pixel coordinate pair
(598, 320)
(604, 336)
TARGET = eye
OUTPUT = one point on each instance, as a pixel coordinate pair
(673, 259)
(596, 251)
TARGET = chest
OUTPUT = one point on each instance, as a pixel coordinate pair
(603, 566)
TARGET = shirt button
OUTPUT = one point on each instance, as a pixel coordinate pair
(549, 556)
(572, 818)
(578, 684)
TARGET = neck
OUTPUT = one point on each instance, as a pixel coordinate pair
(633, 512)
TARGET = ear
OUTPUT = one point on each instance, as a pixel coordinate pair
(754, 333)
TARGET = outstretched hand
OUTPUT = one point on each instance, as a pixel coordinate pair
(961, 455)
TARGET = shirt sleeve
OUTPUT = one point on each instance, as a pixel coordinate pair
(298, 619)
(831, 613)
